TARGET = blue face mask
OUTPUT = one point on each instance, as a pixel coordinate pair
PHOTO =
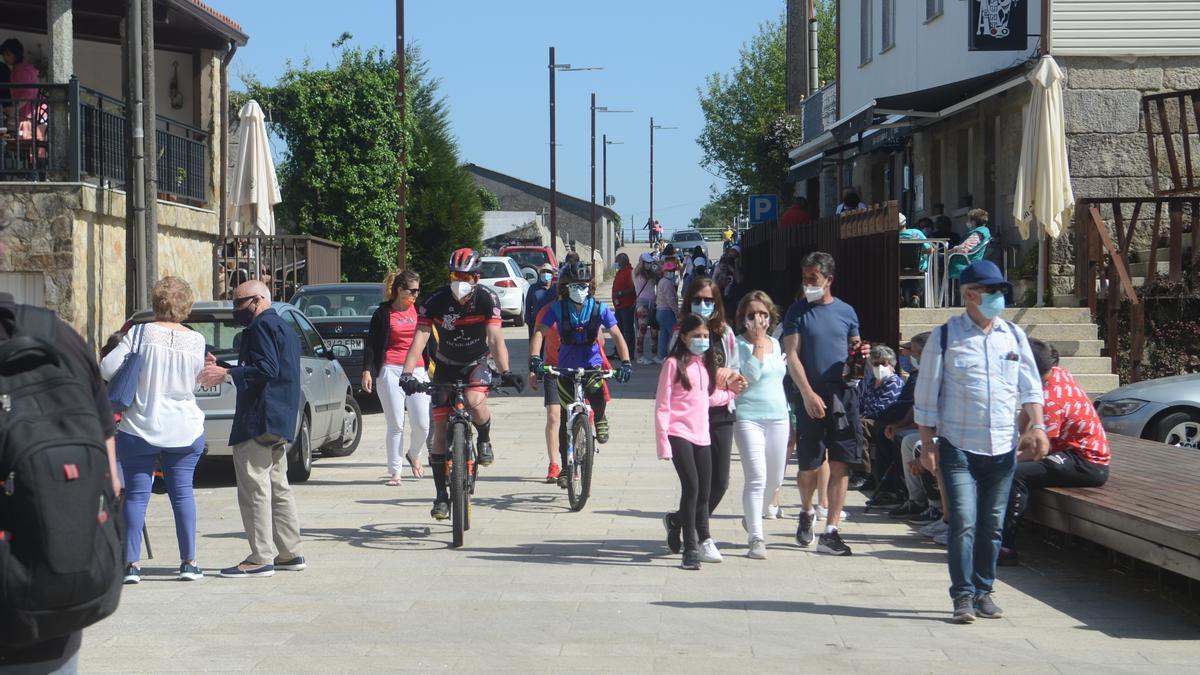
(546, 277)
(698, 345)
(991, 304)
(704, 310)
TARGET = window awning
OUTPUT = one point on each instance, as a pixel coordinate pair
(930, 104)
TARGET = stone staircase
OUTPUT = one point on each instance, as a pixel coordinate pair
(1070, 330)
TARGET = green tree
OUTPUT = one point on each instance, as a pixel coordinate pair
(747, 133)
(339, 175)
(827, 40)
(713, 219)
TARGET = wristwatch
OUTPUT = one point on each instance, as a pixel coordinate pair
(1038, 427)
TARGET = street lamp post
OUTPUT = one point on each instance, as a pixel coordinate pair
(604, 167)
(401, 188)
(554, 68)
(653, 126)
(596, 109)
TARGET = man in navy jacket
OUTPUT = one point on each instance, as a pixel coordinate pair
(267, 379)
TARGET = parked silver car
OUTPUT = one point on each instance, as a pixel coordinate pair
(1166, 409)
(330, 421)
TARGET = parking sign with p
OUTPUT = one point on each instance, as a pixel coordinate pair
(764, 209)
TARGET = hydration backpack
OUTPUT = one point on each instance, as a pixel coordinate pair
(585, 333)
(60, 534)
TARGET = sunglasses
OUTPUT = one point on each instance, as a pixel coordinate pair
(993, 289)
(706, 302)
(241, 301)
(578, 287)
(462, 276)
(414, 291)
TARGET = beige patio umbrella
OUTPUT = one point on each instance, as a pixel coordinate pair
(1043, 193)
(255, 189)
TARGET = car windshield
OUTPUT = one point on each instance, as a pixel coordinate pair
(530, 258)
(222, 335)
(317, 304)
(687, 236)
(494, 270)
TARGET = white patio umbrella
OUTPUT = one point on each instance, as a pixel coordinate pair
(1043, 192)
(255, 190)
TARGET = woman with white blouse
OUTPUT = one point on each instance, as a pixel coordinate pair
(761, 429)
(163, 423)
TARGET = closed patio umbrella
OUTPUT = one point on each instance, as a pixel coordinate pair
(1043, 193)
(255, 190)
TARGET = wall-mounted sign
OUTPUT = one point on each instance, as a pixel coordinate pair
(998, 25)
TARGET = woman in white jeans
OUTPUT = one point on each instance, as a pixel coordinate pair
(761, 429)
(392, 328)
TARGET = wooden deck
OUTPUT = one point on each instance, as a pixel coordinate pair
(1148, 510)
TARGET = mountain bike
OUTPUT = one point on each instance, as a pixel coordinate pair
(581, 435)
(461, 466)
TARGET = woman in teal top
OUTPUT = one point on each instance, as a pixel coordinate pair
(761, 429)
(973, 246)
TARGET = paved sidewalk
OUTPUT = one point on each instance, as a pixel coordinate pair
(540, 589)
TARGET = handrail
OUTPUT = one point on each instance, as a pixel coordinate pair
(165, 121)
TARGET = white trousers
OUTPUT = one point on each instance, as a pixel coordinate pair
(394, 402)
(910, 442)
(762, 445)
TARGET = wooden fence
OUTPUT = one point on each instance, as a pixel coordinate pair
(865, 246)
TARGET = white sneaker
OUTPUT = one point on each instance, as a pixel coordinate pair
(643, 361)
(772, 512)
(658, 360)
(943, 538)
(934, 529)
(758, 549)
(709, 552)
(823, 513)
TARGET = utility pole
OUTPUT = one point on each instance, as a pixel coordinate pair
(555, 67)
(401, 188)
(150, 140)
(141, 295)
(596, 109)
(653, 126)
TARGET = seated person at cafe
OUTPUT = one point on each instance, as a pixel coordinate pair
(1079, 451)
(913, 259)
(892, 426)
(973, 246)
(943, 228)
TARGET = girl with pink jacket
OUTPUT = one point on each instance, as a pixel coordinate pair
(687, 388)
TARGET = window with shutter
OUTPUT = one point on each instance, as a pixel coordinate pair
(864, 46)
(888, 30)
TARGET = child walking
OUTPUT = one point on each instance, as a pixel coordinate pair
(686, 390)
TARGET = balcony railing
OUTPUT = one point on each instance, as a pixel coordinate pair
(96, 143)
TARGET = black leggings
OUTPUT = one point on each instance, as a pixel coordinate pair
(693, 463)
(1059, 469)
(593, 390)
(720, 431)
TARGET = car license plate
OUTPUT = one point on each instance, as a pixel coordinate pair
(353, 344)
(203, 390)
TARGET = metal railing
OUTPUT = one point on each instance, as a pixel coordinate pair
(95, 145)
(284, 262)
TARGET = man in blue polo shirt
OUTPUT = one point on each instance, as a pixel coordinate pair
(579, 318)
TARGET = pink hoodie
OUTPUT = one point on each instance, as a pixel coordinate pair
(684, 412)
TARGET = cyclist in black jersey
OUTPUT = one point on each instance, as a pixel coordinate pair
(467, 317)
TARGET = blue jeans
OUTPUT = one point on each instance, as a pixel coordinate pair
(666, 325)
(977, 489)
(137, 468)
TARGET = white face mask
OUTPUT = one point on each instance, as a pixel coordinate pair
(578, 295)
(461, 289)
(814, 293)
(881, 372)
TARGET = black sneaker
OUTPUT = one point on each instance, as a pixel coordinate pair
(908, 509)
(964, 610)
(856, 483)
(440, 510)
(691, 559)
(831, 543)
(133, 575)
(804, 532)
(674, 535)
(986, 608)
(884, 500)
(485, 454)
(927, 516)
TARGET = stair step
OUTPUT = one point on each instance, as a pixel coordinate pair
(1141, 269)
(1086, 365)
(1018, 315)
(1050, 332)
(1065, 301)
(1095, 383)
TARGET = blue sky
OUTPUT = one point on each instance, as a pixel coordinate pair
(491, 58)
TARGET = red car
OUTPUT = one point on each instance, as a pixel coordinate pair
(532, 257)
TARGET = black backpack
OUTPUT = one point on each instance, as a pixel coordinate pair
(60, 529)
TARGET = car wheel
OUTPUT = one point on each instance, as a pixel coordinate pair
(519, 319)
(300, 459)
(351, 431)
(1181, 429)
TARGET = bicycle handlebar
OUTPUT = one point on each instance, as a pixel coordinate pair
(578, 372)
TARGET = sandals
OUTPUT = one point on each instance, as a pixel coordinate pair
(417, 471)
(393, 482)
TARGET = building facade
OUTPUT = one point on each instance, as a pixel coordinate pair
(930, 100)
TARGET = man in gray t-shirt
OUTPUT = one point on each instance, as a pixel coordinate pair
(818, 333)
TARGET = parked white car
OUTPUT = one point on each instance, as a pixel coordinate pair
(501, 274)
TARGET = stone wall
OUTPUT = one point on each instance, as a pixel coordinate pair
(74, 234)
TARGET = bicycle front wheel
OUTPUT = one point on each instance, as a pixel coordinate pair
(458, 482)
(579, 480)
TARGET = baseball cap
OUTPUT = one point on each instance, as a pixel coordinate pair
(983, 273)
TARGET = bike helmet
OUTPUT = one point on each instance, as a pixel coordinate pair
(465, 260)
(575, 273)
